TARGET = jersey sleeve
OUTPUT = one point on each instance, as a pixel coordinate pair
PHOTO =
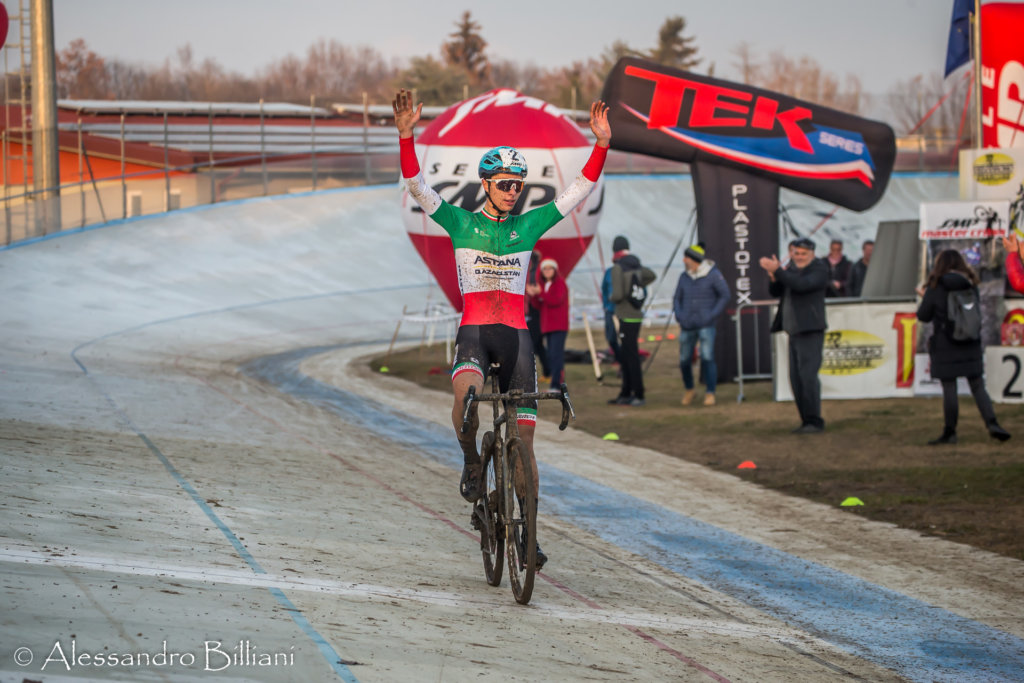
(424, 195)
(578, 190)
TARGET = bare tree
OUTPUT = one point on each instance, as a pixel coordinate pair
(750, 71)
(802, 78)
(435, 83)
(929, 106)
(573, 86)
(331, 71)
(526, 78)
(125, 79)
(81, 73)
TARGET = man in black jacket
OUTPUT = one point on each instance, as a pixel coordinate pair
(801, 315)
(859, 272)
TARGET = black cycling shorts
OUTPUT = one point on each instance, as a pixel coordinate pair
(477, 346)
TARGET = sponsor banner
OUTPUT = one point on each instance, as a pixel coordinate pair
(449, 151)
(1002, 75)
(868, 352)
(738, 221)
(991, 173)
(1004, 373)
(964, 219)
(674, 114)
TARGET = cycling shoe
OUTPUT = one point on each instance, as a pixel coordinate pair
(470, 485)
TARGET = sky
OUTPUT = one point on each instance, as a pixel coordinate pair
(882, 42)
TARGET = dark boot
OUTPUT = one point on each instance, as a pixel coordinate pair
(948, 437)
(997, 432)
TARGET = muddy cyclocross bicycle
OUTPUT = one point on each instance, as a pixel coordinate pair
(506, 513)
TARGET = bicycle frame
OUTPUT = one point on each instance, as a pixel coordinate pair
(508, 511)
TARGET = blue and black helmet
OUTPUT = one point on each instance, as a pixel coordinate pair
(502, 160)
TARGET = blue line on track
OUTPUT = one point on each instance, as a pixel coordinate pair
(918, 641)
(329, 654)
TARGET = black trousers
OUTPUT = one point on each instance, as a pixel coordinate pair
(951, 402)
(629, 349)
(805, 351)
(533, 324)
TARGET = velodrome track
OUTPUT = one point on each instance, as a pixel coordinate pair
(201, 481)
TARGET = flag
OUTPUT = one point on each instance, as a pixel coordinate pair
(958, 52)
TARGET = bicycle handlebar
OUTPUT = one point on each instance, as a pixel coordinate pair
(517, 395)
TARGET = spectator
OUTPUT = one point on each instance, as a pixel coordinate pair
(533, 315)
(801, 315)
(552, 297)
(629, 285)
(1014, 261)
(701, 297)
(951, 358)
(789, 253)
(620, 247)
(838, 270)
(859, 271)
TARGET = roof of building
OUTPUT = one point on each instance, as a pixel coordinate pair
(191, 108)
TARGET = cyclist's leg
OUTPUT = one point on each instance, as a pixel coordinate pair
(468, 371)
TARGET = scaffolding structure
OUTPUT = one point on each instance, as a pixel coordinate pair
(19, 42)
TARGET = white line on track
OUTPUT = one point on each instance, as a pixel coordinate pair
(15, 553)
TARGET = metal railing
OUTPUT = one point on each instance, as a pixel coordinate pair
(223, 163)
(758, 373)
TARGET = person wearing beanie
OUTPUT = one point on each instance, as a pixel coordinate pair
(700, 299)
(620, 247)
(552, 297)
(629, 280)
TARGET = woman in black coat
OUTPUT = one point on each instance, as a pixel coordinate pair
(951, 359)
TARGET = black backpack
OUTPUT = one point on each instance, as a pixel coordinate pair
(636, 295)
(963, 315)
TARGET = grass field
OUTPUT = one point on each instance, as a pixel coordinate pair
(874, 450)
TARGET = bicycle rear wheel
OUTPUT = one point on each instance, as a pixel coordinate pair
(487, 511)
(520, 522)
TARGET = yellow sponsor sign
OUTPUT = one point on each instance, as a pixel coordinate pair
(851, 352)
(993, 169)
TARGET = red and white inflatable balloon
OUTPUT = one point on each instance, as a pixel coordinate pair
(449, 151)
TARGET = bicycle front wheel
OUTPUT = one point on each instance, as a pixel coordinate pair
(487, 510)
(520, 521)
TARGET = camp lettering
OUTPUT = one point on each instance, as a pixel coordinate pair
(981, 214)
(720, 107)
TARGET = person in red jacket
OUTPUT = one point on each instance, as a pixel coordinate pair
(1014, 261)
(551, 296)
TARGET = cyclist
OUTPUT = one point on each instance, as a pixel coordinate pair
(492, 255)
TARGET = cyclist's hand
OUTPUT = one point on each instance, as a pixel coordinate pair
(1011, 244)
(406, 116)
(599, 123)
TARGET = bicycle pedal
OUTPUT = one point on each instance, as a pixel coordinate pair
(492, 502)
(474, 519)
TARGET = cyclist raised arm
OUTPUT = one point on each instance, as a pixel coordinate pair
(492, 254)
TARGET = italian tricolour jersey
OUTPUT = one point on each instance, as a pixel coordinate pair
(492, 255)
